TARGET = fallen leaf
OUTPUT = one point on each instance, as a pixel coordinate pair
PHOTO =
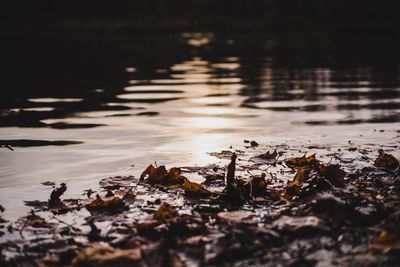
(266, 158)
(333, 173)
(174, 177)
(105, 256)
(165, 213)
(257, 186)
(105, 203)
(310, 161)
(293, 187)
(195, 189)
(386, 161)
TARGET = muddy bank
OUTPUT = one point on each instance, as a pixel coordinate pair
(261, 205)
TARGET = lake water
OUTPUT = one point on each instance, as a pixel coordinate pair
(77, 108)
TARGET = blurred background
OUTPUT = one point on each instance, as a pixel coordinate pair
(92, 87)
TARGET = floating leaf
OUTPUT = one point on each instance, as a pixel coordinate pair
(386, 161)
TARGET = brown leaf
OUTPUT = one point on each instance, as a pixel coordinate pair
(257, 186)
(174, 177)
(293, 187)
(195, 189)
(266, 158)
(56, 193)
(104, 203)
(105, 256)
(333, 173)
(302, 161)
(386, 161)
(161, 176)
(165, 213)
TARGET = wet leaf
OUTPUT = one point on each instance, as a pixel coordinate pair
(195, 189)
(293, 187)
(266, 158)
(310, 161)
(165, 213)
(174, 177)
(106, 256)
(386, 161)
(333, 173)
(257, 186)
(105, 203)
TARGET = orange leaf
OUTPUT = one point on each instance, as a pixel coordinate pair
(293, 187)
(195, 189)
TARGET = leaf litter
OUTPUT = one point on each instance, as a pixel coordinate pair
(255, 207)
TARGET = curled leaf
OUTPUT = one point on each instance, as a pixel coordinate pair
(293, 187)
(310, 161)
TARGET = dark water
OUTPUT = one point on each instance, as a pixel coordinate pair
(78, 108)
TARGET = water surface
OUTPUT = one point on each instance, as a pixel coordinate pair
(76, 109)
